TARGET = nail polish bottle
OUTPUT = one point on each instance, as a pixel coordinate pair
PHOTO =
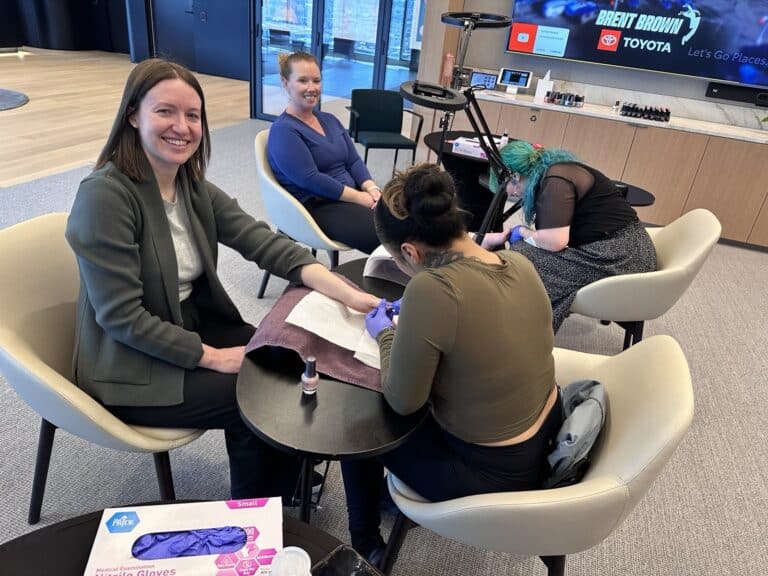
(310, 379)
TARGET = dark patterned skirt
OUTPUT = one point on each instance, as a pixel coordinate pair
(628, 251)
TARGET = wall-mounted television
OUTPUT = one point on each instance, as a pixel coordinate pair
(716, 39)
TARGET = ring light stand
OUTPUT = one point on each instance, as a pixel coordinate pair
(449, 100)
(468, 21)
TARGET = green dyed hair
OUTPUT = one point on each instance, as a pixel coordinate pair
(531, 162)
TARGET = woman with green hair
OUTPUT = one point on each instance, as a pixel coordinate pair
(577, 229)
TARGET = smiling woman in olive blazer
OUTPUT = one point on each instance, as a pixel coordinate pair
(159, 342)
(134, 350)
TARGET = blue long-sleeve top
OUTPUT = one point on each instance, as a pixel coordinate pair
(308, 164)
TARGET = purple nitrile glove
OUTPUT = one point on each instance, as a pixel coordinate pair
(514, 234)
(396, 306)
(162, 545)
(378, 319)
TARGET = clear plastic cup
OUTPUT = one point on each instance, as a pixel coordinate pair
(291, 561)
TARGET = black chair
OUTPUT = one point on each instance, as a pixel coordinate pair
(343, 47)
(376, 121)
(279, 38)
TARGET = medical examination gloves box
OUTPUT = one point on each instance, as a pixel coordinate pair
(225, 538)
(470, 147)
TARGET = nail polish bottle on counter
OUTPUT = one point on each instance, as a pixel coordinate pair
(504, 140)
(616, 106)
(310, 379)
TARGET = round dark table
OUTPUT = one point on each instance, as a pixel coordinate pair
(63, 548)
(340, 421)
(353, 270)
(635, 195)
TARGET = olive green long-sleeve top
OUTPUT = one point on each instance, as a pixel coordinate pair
(476, 341)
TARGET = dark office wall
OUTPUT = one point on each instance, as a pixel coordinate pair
(208, 36)
(9, 24)
(117, 26)
(222, 38)
(140, 39)
(73, 24)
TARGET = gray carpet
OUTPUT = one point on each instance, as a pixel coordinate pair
(706, 515)
(10, 99)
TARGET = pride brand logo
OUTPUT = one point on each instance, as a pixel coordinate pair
(122, 522)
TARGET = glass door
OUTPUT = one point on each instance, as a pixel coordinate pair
(286, 26)
(400, 59)
(348, 51)
(359, 43)
(403, 48)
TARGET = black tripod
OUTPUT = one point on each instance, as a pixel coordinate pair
(450, 100)
(439, 98)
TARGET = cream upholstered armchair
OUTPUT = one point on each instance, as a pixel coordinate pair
(287, 213)
(38, 299)
(650, 407)
(630, 299)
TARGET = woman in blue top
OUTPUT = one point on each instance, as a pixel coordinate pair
(314, 158)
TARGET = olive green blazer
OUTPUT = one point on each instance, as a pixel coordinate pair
(130, 345)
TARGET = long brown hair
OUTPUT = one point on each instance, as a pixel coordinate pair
(123, 147)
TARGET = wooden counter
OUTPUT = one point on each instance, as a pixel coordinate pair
(685, 163)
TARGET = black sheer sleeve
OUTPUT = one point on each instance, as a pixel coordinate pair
(555, 202)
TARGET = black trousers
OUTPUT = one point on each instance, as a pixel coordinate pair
(440, 467)
(345, 222)
(256, 469)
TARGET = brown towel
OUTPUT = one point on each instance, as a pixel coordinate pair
(332, 360)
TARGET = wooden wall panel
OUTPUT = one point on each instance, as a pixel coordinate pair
(732, 182)
(533, 124)
(759, 233)
(664, 162)
(491, 111)
(603, 144)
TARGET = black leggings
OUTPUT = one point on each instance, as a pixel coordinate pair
(350, 224)
(210, 402)
(440, 467)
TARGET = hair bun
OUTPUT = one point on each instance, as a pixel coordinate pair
(419, 204)
(430, 194)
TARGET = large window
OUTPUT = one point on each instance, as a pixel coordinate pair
(349, 50)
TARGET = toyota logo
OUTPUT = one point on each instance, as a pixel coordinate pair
(609, 40)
